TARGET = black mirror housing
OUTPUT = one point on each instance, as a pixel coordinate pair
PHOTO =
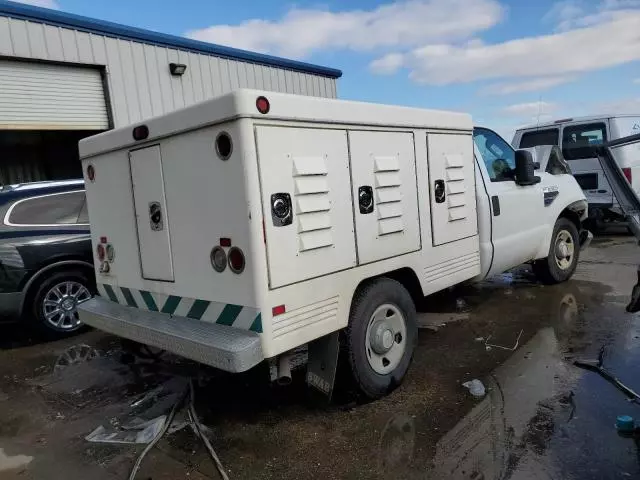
(525, 169)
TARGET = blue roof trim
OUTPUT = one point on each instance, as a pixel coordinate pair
(86, 24)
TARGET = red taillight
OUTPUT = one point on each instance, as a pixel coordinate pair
(279, 310)
(225, 242)
(101, 251)
(627, 173)
(236, 260)
(91, 173)
(262, 104)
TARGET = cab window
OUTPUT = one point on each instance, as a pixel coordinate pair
(549, 136)
(578, 140)
(498, 156)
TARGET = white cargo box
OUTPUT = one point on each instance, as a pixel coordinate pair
(315, 195)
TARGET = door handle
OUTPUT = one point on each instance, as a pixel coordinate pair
(281, 211)
(439, 191)
(495, 205)
(365, 199)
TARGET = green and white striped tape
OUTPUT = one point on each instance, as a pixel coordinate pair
(236, 316)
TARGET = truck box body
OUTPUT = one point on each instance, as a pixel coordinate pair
(164, 202)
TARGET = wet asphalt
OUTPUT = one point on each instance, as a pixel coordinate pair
(541, 418)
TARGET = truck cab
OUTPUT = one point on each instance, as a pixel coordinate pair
(515, 221)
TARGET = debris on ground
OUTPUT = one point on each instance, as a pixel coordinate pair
(434, 321)
(596, 366)
(476, 388)
(138, 431)
(488, 346)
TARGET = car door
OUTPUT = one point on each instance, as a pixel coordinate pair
(517, 216)
(577, 138)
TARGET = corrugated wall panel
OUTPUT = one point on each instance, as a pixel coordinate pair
(85, 54)
(19, 38)
(54, 43)
(6, 47)
(138, 74)
(142, 80)
(50, 97)
(35, 31)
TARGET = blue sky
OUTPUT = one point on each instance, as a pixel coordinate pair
(508, 62)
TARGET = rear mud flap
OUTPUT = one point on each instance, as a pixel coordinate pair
(323, 363)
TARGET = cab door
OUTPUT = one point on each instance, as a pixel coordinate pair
(518, 221)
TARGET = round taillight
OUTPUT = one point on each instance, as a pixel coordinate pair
(236, 260)
(218, 259)
(91, 173)
(262, 104)
(111, 252)
(100, 250)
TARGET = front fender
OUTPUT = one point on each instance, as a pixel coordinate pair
(570, 201)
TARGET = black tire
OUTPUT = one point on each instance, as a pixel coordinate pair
(36, 314)
(366, 301)
(547, 269)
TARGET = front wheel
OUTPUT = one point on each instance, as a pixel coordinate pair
(564, 252)
(381, 336)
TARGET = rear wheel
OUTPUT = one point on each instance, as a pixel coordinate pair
(564, 252)
(55, 302)
(381, 336)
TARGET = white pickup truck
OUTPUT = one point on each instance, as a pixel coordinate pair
(244, 227)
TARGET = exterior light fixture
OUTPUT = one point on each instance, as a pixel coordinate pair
(177, 69)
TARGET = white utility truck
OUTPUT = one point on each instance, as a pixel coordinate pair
(244, 227)
(577, 137)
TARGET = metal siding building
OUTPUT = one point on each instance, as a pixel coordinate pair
(64, 73)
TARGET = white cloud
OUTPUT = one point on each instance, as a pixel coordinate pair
(388, 64)
(570, 14)
(530, 109)
(405, 23)
(623, 105)
(600, 46)
(532, 85)
(41, 3)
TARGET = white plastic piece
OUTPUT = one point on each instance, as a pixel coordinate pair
(476, 388)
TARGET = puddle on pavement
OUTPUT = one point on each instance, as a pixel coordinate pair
(540, 417)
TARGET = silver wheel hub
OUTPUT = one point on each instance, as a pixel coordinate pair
(385, 340)
(61, 302)
(564, 249)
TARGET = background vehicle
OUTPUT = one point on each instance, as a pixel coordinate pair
(575, 136)
(249, 225)
(45, 254)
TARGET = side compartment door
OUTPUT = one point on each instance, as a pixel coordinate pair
(383, 167)
(306, 201)
(150, 205)
(451, 173)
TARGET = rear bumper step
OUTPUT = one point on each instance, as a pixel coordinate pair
(219, 346)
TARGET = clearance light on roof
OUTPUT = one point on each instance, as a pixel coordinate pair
(262, 104)
(140, 132)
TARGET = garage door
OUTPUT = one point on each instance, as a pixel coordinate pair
(35, 96)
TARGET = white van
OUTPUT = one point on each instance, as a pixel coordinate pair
(573, 135)
(249, 225)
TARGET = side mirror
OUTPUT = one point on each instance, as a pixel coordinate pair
(525, 168)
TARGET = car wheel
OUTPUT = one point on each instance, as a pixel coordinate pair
(381, 336)
(564, 252)
(56, 300)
